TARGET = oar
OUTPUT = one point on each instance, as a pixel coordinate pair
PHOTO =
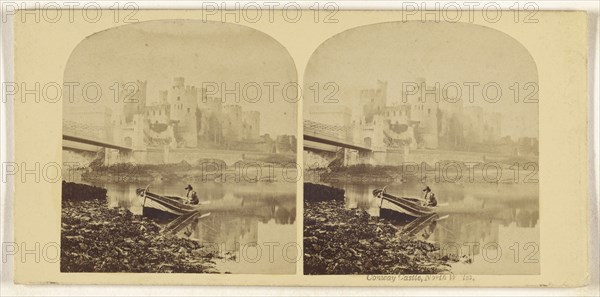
(188, 221)
(179, 220)
(442, 218)
(184, 220)
(418, 224)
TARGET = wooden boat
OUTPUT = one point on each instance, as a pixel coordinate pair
(402, 207)
(168, 208)
(167, 204)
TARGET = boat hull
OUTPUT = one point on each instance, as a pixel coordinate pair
(155, 205)
(159, 215)
(403, 208)
(395, 216)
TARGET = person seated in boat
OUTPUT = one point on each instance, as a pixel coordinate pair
(429, 197)
(192, 197)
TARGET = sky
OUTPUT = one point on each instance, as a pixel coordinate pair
(201, 52)
(399, 52)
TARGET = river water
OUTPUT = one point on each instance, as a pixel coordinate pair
(492, 228)
(255, 234)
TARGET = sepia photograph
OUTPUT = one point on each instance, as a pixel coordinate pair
(179, 165)
(421, 155)
(303, 148)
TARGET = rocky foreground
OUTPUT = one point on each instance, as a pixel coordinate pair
(95, 238)
(349, 241)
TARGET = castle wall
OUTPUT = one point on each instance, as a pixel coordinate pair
(192, 156)
(158, 114)
(397, 115)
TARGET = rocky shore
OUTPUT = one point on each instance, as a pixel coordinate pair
(95, 238)
(349, 241)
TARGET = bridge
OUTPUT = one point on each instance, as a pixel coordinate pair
(87, 148)
(324, 137)
(86, 137)
(86, 140)
(72, 141)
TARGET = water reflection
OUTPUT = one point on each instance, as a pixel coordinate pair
(481, 219)
(252, 214)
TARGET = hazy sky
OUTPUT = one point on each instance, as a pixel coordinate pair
(159, 51)
(402, 52)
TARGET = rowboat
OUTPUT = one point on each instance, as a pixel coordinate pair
(174, 205)
(401, 207)
(167, 208)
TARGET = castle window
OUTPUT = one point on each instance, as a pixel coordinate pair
(159, 112)
(429, 111)
(188, 110)
(178, 98)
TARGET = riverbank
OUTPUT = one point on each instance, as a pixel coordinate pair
(447, 172)
(350, 241)
(208, 170)
(95, 238)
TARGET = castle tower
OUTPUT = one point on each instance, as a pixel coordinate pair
(132, 98)
(251, 123)
(473, 130)
(232, 122)
(373, 101)
(424, 111)
(163, 97)
(183, 104)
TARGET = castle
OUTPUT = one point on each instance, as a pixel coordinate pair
(185, 117)
(423, 119)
